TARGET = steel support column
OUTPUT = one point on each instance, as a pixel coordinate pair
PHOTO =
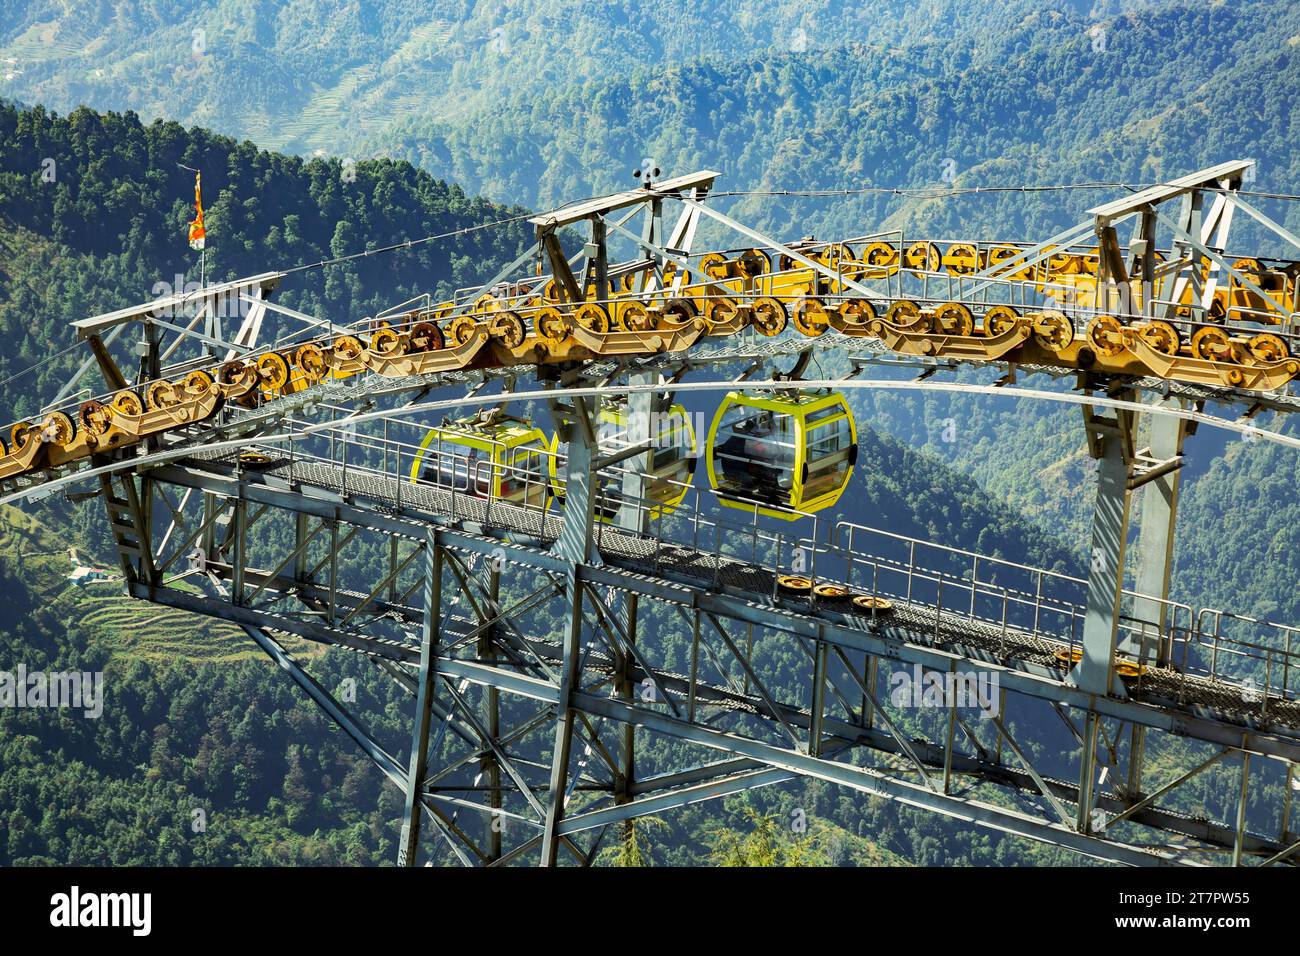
(625, 687)
(640, 430)
(408, 848)
(490, 766)
(1110, 441)
(574, 548)
(1156, 537)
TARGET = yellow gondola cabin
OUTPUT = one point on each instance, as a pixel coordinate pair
(784, 454)
(492, 455)
(672, 466)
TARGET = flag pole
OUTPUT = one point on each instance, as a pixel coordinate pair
(198, 234)
(198, 241)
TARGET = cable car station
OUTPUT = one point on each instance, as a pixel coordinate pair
(525, 453)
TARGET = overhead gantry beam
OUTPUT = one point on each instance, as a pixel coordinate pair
(667, 188)
(1221, 176)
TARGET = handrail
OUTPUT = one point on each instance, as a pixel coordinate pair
(836, 552)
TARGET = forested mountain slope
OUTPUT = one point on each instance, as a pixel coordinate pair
(296, 74)
(93, 210)
(541, 102)
(1040, 101)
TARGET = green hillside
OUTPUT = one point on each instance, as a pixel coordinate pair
(315, 74)
(547, 101)
(1031, 100)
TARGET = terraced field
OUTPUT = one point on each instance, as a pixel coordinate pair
(33, 555)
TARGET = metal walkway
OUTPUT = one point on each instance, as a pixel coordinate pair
(965, 635)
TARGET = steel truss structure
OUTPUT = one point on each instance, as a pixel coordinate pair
(543, 646)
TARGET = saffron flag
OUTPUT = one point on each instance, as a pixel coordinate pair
(197, 232)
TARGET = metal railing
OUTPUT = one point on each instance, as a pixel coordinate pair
(1011, 599)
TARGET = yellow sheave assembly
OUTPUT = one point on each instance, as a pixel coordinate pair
(1235, 336)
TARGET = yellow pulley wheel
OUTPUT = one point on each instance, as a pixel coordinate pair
(484, 304)
(830, 592)
(94, 417)
(810, 317)
(508, 329)
(160, 394)
(592, 317)
(999, 319)
(127, 402)
(198, 381)
(1059, 263)
(794, 583)
(310, 360)
(19, 433)
(753, 263)
(1211, 343)
(679, 312)
(856, 312)
(233, 374)
(1053, 331)
(882, 256)
(347, 346)
(633, 317)
(849, 265)
(57, 427)
(670, 275)
(1161, 336)
(719, 310)
(954, 318)
(1069, 655)
(769, 316)
(1105, 335)
(550, 325)
(1000, 254)
(712, 264)
(1128, 670)
(868, 602)
(1267, 347)
(273, 370)
(962, 259)
(903, 312)
(830, 256)
(424, 337)
(461, 329)
(922, 257)
(386, 341)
